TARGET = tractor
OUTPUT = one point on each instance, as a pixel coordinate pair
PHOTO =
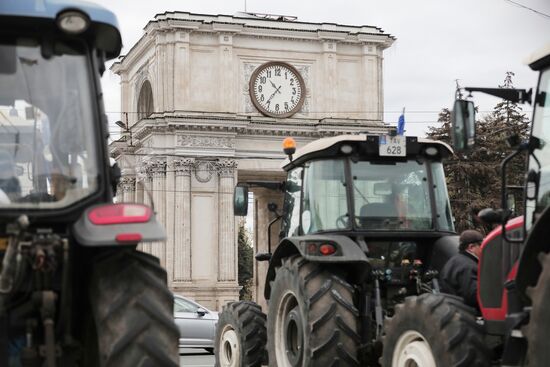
(514, 268)
(366, 222)
(74, 289)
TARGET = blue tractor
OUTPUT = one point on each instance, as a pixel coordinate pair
(74, 289)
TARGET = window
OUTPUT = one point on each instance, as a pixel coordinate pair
(48, 148)
(325, 203)
(293, 195)
(391, 196)
(181, 305)
(145, 101)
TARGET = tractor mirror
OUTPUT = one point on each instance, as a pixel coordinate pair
(463, 125)
(240, 200)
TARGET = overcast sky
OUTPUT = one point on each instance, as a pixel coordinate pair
(438, 41)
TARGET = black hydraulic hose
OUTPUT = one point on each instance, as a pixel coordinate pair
(269, 232)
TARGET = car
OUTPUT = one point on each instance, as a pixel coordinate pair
(197, 324)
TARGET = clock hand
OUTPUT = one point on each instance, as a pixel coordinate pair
(273, 84)
(278, 90)
(270, 97)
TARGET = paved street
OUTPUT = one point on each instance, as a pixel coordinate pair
(196, 358)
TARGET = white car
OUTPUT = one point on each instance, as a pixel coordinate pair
(197, 324)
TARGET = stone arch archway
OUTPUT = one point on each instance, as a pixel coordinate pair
(145, 103)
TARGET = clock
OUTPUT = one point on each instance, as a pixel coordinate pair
(277, 89)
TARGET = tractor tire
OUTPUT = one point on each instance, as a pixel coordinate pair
(538, 329)
(240, 336)
(434, 330)
(312, 319)
(133, 311)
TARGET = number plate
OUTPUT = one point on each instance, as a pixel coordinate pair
(393, 146)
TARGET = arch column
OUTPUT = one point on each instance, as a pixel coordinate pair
(227, 240)
(157, 169)
(182, 219)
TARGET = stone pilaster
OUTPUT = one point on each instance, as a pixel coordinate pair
(227, 249)
(330, 74)
(182, 75)
(371, 83)
(157, 171)
(182, 219)
(226, 77)
(170, 195)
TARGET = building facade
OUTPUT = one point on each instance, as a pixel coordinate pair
(207, 101)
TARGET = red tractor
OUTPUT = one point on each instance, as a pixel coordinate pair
(513, 327)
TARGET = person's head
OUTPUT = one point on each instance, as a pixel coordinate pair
(470, 241)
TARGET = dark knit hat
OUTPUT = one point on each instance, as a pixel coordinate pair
(469, 236)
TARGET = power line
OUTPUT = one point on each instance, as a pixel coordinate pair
(324, 111)
(528, 8)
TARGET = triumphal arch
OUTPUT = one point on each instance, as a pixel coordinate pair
(207, 101)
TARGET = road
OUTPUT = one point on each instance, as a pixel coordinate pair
(196, 358)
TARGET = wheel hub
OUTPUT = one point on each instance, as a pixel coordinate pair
(294, 337)
(229, 348)
(289, 337)
(412, 350)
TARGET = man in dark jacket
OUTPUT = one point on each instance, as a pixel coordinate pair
(459, 275)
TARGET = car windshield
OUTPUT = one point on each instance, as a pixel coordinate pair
(47, 153)
(396, 196)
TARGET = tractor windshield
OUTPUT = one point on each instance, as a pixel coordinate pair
(47, 153)
(385, 196)
(396, 196)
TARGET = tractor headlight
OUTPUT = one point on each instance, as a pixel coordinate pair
(73, 22)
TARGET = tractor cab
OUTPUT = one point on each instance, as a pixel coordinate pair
(53, 154)
(367, 184)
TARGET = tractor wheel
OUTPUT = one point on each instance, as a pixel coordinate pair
(240, 335)
(312, 320)
(133, 311)
(433, 330)
(538, 329)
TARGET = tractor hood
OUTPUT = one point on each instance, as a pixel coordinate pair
(103, 29)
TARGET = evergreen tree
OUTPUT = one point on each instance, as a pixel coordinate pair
(473, 178)
(245, 264)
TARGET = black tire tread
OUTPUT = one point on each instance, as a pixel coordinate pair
(332, 318)
(248, 321)
(447, 324)
(133, 311)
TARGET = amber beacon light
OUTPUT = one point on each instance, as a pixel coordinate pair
(289, 147)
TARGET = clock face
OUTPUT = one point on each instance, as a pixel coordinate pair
(277, 89)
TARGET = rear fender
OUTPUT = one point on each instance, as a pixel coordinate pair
(347, 253)
(91, 234)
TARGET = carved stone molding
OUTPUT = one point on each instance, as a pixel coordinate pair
(226, 167)
(204, 170)
(182, 166)
(155, 167)
(205, 141)
(127, 184)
